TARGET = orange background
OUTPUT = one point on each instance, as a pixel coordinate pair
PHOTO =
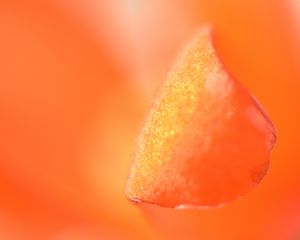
(76, 80)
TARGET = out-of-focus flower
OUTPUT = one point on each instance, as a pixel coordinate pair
(76, 78)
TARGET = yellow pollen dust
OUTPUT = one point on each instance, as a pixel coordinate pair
(181, 95)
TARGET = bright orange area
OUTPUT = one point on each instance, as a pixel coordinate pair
(76, 80)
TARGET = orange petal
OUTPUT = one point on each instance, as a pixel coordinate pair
(206, 140)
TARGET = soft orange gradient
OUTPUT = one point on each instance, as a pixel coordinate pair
(76, 79)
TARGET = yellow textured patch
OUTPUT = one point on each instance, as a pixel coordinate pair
(187, 85)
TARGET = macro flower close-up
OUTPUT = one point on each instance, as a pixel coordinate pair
(149, 119)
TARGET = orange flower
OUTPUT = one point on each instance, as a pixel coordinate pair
(76, 79)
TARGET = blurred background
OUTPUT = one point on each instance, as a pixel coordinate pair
(76, 81)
